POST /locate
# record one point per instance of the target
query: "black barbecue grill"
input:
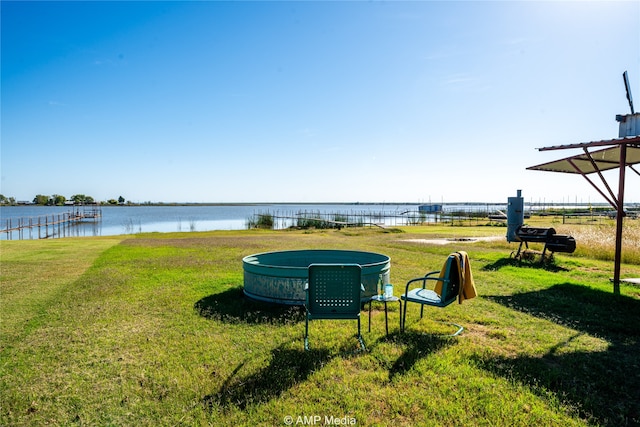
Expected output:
(552, 242)
(561, 243)
(533, 234)
(518, 232)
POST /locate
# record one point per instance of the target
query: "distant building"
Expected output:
(430, 208)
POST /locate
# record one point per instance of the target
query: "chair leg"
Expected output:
(403, 321)
(456, 333)
(306, 333)
(460, 329)
(360, 339)
(403, 318)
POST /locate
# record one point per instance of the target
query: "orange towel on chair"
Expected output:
(468, 288)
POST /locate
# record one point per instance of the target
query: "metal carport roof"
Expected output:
(590, 162)
(617, 153)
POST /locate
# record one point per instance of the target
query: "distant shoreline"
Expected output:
(144, 204)
(132, 204)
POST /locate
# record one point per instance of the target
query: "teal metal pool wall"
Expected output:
(279, 277)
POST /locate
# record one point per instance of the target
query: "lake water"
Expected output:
(117, 220)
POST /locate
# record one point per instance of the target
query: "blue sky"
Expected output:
(310, 101)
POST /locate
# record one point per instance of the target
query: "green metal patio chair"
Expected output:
(333, 291)
(447, 285)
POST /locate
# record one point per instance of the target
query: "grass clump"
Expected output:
(265, 221)
(153, 329)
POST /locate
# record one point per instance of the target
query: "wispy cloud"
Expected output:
(458, 79)
(465, 82)
(99, 62)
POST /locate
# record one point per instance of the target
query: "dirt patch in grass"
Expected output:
(455, 240)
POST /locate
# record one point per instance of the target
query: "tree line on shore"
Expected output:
(58, 200)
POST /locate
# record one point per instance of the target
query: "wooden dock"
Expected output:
(50, 225)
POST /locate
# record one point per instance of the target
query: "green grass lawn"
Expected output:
(153, 329)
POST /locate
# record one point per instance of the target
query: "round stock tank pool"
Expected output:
(279, 277)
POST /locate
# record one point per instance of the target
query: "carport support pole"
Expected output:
(619, 220)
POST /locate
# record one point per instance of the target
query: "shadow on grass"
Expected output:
(604, 387)
(418, 346)
(548, 265)
(287, 368)
(232, 306)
